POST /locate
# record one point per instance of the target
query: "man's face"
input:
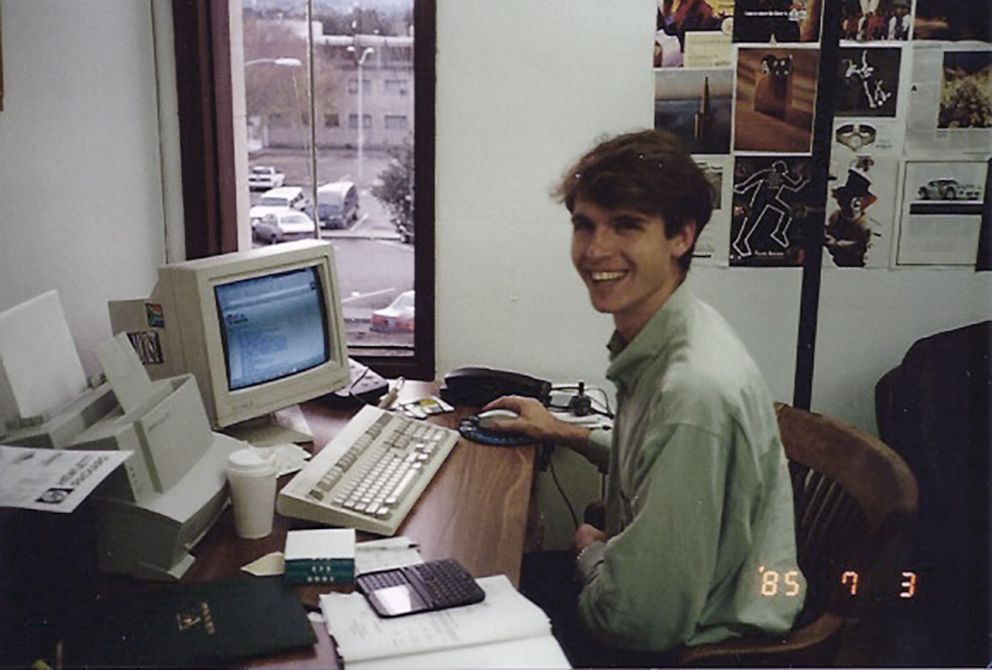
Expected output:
(626, 261)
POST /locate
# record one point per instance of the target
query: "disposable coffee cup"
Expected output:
(251, 475)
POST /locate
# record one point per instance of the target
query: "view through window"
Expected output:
(359, 154)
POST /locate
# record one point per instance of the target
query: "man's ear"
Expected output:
(683, 240)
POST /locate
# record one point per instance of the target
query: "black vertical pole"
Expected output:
(809, 301)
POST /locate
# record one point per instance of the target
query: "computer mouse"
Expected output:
(492, 416)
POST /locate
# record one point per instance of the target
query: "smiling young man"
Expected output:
(699, 500)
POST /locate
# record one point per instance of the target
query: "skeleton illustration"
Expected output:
(766, 188)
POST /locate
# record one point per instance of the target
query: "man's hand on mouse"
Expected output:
(536, 422)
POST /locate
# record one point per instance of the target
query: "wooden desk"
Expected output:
(474, 510)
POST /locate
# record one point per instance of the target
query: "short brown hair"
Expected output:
(649, 171)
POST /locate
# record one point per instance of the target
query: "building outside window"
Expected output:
(369, 41)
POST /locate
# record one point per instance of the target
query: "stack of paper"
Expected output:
(503, 631)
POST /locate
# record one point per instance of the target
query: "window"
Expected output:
(396, 122)
(366, 41)
(353, 121)
(353, 86)
(396, 86)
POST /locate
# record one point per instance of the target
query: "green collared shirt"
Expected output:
(699, 501)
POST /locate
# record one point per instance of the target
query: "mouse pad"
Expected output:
(469, 429)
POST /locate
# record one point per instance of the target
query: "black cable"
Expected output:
(571, 510)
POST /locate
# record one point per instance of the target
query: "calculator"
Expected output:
(426, 587)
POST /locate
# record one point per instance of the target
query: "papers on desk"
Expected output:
(385, 554)
(52, 480)
(503, 631)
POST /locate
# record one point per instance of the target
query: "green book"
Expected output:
(320, 571)
(191, 625)
(320, 556)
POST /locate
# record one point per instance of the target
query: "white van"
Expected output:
(277, 199)
(337, 204)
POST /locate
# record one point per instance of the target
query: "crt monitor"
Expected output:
(260, 329)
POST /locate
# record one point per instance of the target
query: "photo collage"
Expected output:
(910, 134)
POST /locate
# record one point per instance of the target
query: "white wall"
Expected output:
(81, 206)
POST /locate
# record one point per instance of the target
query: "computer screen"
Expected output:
(272, 326)
(260, 330)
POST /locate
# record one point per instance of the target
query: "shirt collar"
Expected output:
(626, 358)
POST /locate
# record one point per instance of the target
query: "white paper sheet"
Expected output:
(504, 616)
(533, 652)
(385, 554)
(39, 365)
(124, 371)
(52, 480)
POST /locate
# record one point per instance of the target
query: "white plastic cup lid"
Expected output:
(251, 462)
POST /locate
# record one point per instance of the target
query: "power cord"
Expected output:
(571, 509)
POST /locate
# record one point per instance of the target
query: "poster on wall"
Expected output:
(696, 105)
(693, 33)
(867, 81)
(862, 197)
(711, 245)
(764, 21)
(950, 100)
(941, 212)
(775, 99)
(772, 196)
(874, 20)
(952, 20)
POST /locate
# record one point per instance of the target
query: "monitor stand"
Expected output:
(281, 427)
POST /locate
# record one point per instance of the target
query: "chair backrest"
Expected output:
(852, 492)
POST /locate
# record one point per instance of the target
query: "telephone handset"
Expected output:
(479, 385)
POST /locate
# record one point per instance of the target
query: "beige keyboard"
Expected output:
(371, 474)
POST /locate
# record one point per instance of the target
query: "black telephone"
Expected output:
(478, 385)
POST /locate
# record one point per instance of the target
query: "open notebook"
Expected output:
(504, 631)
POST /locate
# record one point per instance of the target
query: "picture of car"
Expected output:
(277, 199)
(262, 177)
(397, 317)
(949, 189)
(282, 225)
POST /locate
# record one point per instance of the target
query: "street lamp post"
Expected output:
(360, 61)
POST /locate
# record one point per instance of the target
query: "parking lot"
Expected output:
(374, 266)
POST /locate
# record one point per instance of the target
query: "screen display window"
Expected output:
(272, 326)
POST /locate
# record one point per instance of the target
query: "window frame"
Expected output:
(206, 129)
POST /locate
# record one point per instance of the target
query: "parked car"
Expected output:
(949, 189)
(282, 225)
(277, 199)
(337, 204)
(262, 177)
(398, 317)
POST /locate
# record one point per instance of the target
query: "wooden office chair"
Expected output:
(852, 493)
